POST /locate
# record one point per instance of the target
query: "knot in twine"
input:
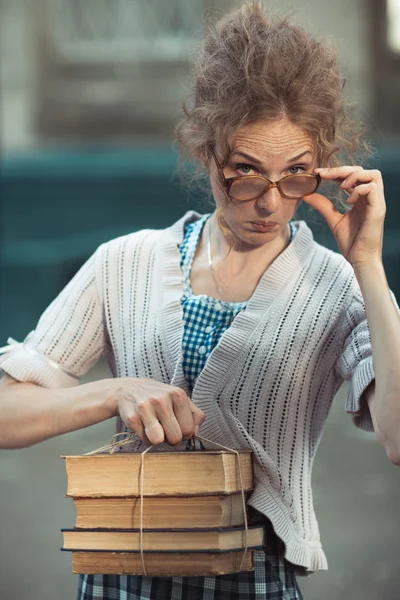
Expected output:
(114, 446)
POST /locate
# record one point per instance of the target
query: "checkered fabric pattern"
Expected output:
(205, 320)
(269, 581)
(272, 579)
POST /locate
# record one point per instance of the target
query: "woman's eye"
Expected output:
(245, 169)
(295, 169)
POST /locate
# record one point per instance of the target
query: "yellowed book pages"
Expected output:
(162, 539)
(165, 473)
(161, 565)
(164, 512)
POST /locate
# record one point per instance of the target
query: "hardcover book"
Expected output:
(160, 512)
(167, 540)
(162, 565)
(166, 473)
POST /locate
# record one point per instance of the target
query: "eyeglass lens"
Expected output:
(295, 187)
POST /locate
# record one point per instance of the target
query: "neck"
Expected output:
(245, 257)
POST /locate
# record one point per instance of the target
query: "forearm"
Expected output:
(384, 326)
(30, 414)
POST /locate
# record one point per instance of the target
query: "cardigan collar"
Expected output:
(282, 271)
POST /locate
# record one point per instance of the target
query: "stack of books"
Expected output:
(185, 516)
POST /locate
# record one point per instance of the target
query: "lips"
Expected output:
(265, 223)
(263, 226)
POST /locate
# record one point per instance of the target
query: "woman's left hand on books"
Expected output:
(359, 232)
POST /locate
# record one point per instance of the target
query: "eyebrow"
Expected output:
(256, 161)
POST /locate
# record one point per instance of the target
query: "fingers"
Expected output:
(361, 190)
(183, 421)
(189, 416)
(183, 413)
(143, 420)
(158, 420)
(133, 422)
(163, 407)
(160, 412)
(375, 202)
(349, 177)
(362, 177)
(337, 173)
(170, 417)
(198, 416)
(358, 182)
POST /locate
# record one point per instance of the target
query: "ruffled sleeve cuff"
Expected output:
(356, 406)
(24, 363)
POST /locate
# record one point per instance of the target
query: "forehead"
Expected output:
(271, 138)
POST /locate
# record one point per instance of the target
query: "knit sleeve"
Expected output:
(68, 339)
(355, 362)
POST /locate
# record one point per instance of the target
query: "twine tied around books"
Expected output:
(114, 446)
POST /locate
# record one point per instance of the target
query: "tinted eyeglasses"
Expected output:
(250, 187)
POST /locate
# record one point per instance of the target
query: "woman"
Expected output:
(236, 322)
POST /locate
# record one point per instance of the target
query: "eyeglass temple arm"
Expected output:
(219, 167)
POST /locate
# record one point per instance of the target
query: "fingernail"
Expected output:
(196, 430)
(322, 171)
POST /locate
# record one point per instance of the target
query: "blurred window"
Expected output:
(385, 67)
(393, 25)
(115, 68)
(98, 29)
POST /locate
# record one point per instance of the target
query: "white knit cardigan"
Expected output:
(269, 383)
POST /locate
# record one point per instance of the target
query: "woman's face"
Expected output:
(273, 150)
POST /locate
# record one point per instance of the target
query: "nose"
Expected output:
(270, 200)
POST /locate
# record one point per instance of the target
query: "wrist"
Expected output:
(111, 401)
(366, 270)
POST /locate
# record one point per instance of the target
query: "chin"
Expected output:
(258, 238)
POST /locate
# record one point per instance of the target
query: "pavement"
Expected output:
(356, 496)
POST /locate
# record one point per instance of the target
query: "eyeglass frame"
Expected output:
(228, 181)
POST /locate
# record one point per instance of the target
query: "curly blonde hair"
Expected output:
(252, 67)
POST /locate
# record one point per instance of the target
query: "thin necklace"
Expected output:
(210, 260)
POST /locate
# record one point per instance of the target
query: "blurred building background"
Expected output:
(89, 94)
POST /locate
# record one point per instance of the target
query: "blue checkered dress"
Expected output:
(205, 320)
